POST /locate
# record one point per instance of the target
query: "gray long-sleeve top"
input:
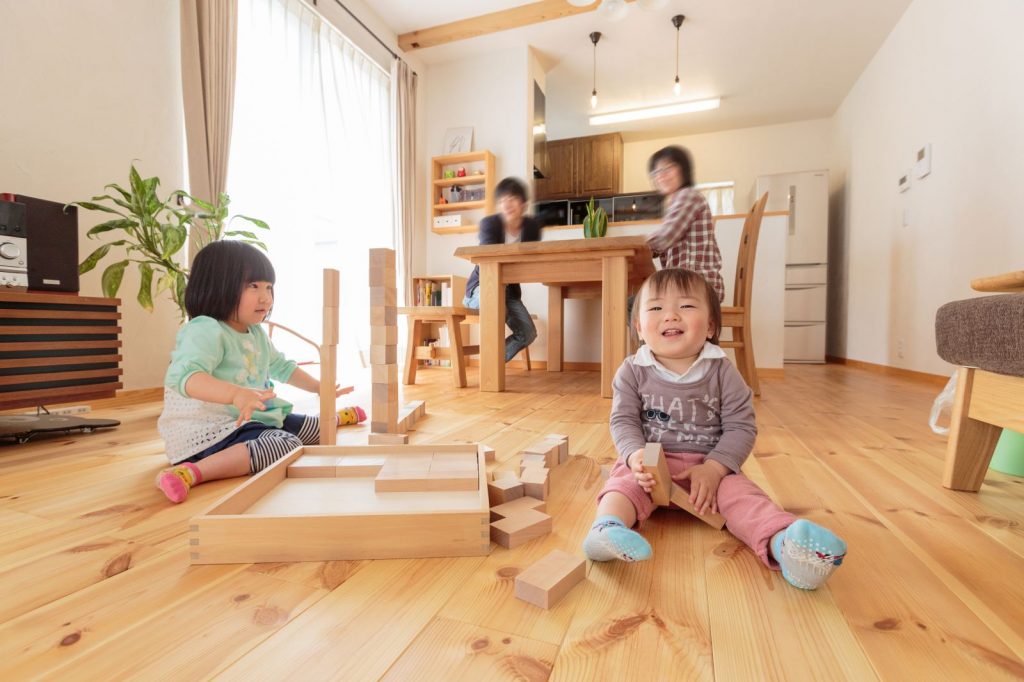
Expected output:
(714, 416)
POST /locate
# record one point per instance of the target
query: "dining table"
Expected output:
(608, 268)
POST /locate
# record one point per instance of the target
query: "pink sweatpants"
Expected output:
(749, 513)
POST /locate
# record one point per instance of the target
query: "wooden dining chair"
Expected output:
(737, 316)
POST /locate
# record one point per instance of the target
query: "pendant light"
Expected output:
(677, 21)
(594, 37)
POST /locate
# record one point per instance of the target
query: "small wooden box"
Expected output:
(276, 517)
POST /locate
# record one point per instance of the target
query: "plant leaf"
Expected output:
(174, 237)
(117, 188)
(145, 296)
(117, 224)
(94, 258)
(165, 282)
(255, 221)
(95, 207)
(112, 277)
(241, 233)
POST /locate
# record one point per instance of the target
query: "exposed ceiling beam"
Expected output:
(515, 17)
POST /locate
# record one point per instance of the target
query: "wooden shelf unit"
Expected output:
(472, 162)
(456, 284)
(58, 348)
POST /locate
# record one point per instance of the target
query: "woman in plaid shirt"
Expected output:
(686, 236)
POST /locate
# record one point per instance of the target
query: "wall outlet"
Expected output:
(899, 349)
(903, 183)
(923, 161)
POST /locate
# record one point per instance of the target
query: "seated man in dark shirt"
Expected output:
(508, 226)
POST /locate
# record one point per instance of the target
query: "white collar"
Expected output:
(645, 358)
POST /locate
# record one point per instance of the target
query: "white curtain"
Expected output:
(311, 155)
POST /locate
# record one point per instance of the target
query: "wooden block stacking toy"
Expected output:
(388, 423)
(546, 449)
(520, 528)
(545, 583)
(284, 513)
(383, 342)
(535, 482)
(504, 490)
(489, 455)
(328, 351)
(563, 445)
(655, 463)
(681, 499)
(517, 505)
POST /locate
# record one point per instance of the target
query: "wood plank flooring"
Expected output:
(95, 581)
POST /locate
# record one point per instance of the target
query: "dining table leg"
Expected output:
(614, 271)
(492, 328)
(556, 334)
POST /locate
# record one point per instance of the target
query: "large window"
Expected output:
(311, 155)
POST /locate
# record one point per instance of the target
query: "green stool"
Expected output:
(1008, 456)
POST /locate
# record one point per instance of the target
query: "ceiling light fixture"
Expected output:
(581, 3)
(655, 112)
(613, 10)
(594, 37)
(677, 21)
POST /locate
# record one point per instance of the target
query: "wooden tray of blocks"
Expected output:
(326, 502)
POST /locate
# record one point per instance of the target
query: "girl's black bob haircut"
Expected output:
(220, 272)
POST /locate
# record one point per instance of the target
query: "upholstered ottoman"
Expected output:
(985, 337)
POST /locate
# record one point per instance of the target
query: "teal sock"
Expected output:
(807, 553)
(610, 539)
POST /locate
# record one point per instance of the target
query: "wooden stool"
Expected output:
(451, 317)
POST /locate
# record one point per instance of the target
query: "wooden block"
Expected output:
(535, 482)
(461, 462)
(681, 499)
(384, 373)
(383, 335)
(331, 288)
(385, 414)
(409, 414)
(383, 355)
(382, 258)
(374, 438)
(382, 276)
(517, 505)
(501, 473)
(488, 451)
(330, 332)
(504, 490)
(358, 466)
(379, 425)
(421, 408)
(563, 445)
(403, 474)
(383, 315)
(313, 466)
(385, 393)
(545, 583)
(547, 449)
(383, 295)
(655, 463)
(532, 459)
(520, 528)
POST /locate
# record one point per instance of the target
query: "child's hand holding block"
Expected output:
(656, 464)
(681, 499)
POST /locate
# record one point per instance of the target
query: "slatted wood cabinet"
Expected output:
(57, 348)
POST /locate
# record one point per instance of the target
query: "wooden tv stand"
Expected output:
(58, 348)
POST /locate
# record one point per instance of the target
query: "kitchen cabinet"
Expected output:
(583, 167)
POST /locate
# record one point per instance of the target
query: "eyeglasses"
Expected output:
(659, 171)
(656, 415)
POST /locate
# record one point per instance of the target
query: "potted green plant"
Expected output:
(155, 230)
(596, 222)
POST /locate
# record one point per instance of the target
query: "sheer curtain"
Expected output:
(311, 155)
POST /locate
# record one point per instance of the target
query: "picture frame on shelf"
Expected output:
(458, 140)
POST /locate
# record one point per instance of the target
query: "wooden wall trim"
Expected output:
(925, 377)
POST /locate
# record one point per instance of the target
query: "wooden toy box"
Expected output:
(320, 503)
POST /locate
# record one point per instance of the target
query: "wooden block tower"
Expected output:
(329, 360)
(384, 341)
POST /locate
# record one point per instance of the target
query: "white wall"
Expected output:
(87, 89)
(951, 75)
(739, 155)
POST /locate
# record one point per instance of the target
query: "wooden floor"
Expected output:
(95, 581)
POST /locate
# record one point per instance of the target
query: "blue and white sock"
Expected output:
(610, 539)
(807, 553)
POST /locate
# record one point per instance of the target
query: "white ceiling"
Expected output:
(771, 61)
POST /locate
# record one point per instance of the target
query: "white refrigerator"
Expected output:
(805, 196)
